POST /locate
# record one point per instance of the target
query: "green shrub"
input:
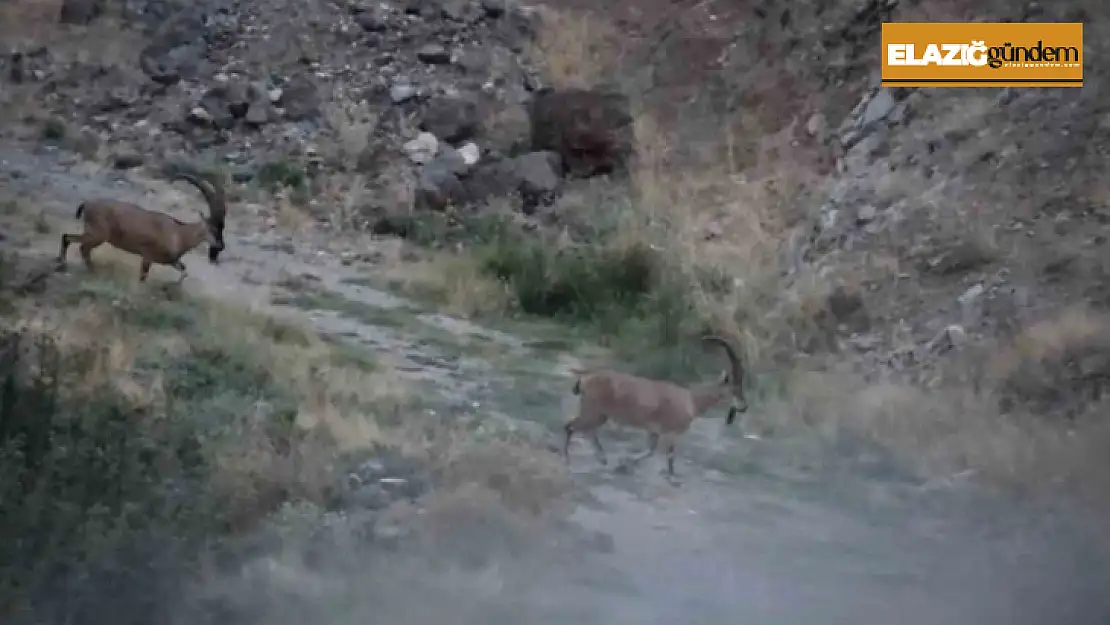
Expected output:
(86, 483)
(614, 290)
(281, 173)
(107, 505)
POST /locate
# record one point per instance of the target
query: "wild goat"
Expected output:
(156, 237)
(664, 409)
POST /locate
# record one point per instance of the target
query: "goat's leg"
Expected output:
(670, 456)
(180, 266)
(598, 450)
(587, 422)
(67, 240)
(144, 269)
(87, 246)
(653, 444)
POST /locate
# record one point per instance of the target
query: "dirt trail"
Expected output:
(739, 541)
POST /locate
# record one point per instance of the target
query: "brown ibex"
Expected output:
(664, 409)
(155, 237)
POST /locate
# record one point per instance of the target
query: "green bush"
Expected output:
(281, 173)
(615, 290)
(92, 491)
(106, 505)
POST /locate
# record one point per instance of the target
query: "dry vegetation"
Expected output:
(247, 415)
(1019, 408)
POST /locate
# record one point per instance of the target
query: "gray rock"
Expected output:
(199, 115)
(476, 61)
(438, 184)
(449, 160)
(372, 21)
(865, 214)
(451, 119)
(301, 98)
(80, 11)
(494, 8)
(127, 160)
(878, 108)
(470, 153)
(402, 92)
(815, 126)
(433, 54)
(491, 179)
(259, 113)
(538, 179)
(421, 149)
(969, 296)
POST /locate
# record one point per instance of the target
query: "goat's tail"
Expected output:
(80, 210)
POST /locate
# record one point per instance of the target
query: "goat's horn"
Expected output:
(737, 367)
(213, 195)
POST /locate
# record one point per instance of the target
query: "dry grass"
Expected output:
(290, 217)
(455, 282)
(351, 124)
(578, 49)
(944, 434)
(718, 220)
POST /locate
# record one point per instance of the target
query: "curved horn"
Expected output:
(734, 360)
(213, 195)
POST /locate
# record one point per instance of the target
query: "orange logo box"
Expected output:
(989, 54)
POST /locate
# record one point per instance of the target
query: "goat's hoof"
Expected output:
(623, 468)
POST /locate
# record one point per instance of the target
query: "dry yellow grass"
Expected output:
(578, 49)
(289, 216)
(454, 281)
(351, 124)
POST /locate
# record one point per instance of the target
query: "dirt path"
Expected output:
(740, 541)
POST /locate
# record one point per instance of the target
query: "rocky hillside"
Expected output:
(948, 238)
(305, 94)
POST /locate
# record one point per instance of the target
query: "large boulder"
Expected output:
(452, 118)
(80, 11)
(591, 130)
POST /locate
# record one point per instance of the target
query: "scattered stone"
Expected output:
(421, 149)
(494, 8)
(198, 115)
(433, 54)
(127, 160)
(969, 296)
(470, 153)
(451, 118)
(400, 93)
(865, 214)
(539, 180)
(950, 337)
(301, 98)
(438, 185)
(713, 230)
(815, 126)
(878, 108)
(80, 11)
(372, 21)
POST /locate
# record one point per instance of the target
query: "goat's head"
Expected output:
(213, 192)
(732, 379)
